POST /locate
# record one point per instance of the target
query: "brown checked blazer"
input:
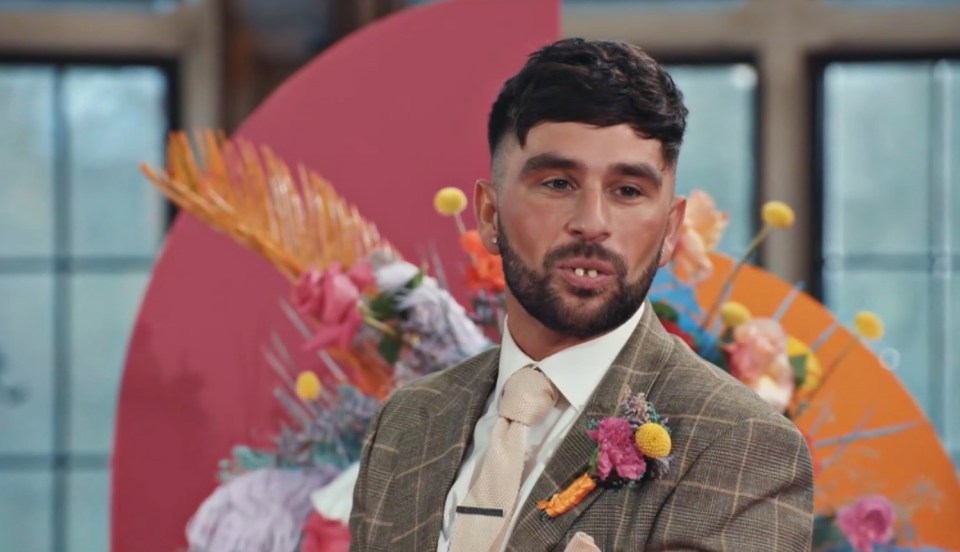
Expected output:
(741, 477)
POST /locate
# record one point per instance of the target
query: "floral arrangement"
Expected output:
(630, 447)
(375, 322)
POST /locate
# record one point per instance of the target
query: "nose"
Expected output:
(590, 219)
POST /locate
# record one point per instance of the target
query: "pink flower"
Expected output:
(758, 358)
(330, 298)
(324, 535)
(756, 345)
(867, 522)
(702, 229)
(617, 449)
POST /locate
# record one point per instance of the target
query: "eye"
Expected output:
(630, 192)
(558, 184)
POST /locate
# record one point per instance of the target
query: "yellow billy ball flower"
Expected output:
(868, 325)
(653, 440)
(778, 214)
(450, 201)
(308, 386)
(814, 372)
(734, 313)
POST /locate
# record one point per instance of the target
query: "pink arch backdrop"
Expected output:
(387, 115)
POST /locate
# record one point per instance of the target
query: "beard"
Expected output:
(534, 290)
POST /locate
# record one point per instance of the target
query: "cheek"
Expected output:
(642, 240)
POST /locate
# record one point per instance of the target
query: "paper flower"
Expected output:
(619, 458)
(617, 449)
(867, 522)
(308, 386)
(813, 371)
(868, 325)
(331, 299)
(758, 358)
(450, 201)
(777, 214)
(259, 510)
(733, 314)
(325, 535)
(702, 229)
(485, 270)
(653, 440)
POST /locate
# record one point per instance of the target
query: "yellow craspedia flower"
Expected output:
(450, 201)
(814, 372)
(653, 440)
(778, 214)
(734, 313)
(868, 325)
(308, 386)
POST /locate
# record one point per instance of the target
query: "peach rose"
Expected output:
(703, 226)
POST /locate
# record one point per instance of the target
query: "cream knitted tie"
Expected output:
(485, 513)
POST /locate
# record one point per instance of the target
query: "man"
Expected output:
(582, 208)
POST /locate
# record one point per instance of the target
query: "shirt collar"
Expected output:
(575, 371)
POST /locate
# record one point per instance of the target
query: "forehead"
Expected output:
(597, 148)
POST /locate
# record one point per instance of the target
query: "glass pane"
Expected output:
(624, 4)
(952, 120)
(877, 153)
(26, 160)
(718, 151)
(893, 3)
(104, 308)
(952, 387)
(902, 300)
(26, 348)
(88, 511)
(26, 511)
(116, 119)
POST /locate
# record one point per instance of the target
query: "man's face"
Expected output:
(583, 216)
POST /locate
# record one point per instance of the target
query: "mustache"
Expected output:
(586, 250)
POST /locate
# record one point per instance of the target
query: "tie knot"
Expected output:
(528, 397)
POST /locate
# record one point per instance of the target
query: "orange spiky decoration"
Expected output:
(250, 196)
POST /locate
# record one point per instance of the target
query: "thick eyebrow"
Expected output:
(639, 170)
(549, 161)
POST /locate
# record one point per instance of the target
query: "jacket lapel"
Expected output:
(442, 444)
(636, 369)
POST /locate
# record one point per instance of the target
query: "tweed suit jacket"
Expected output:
(741, 477)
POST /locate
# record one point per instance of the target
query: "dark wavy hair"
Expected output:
(599, 83)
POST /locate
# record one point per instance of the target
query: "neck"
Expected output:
(534, 339)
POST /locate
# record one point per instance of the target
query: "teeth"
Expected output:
(591, 273)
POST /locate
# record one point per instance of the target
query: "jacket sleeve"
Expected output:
(751, 489)
(359, 522)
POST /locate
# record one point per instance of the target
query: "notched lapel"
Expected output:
(434, 449)
(636, 369)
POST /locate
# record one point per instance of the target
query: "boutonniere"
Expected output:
(630, 448)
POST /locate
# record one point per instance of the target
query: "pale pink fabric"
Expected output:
(581, 542)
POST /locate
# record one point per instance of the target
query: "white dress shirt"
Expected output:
(575, 372)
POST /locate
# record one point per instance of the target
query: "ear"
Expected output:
(678, 210)
(485, 210)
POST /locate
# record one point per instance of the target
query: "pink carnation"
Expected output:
(867, 522)
(618, 450)
(330, 299)
(757, 344)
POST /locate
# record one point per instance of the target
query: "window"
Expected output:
(718, 155)
(891, 200)
(79, 229)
